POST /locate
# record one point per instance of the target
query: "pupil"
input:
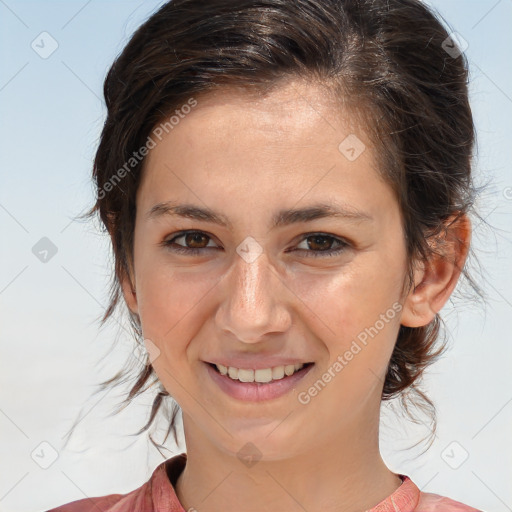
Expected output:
(316, 241)
(196, 238)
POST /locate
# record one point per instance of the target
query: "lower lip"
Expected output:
(257, 391)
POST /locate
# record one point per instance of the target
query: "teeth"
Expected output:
(222, 369)
(289, 369)
(245, 375)
(261, 375)
(278, 372)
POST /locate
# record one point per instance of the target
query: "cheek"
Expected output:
(170, 300)
(171, 309)
(353, 298)
(356, 317)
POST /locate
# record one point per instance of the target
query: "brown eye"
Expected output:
(319, 244)
(195, 242)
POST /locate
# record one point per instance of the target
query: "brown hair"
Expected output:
(386, 58)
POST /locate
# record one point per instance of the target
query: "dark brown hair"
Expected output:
(387, 59)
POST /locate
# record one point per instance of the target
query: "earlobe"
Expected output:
(414, 313)
(436, 279)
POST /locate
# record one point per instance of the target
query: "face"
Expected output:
(253, 269)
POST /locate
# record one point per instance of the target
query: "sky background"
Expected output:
(52, 351)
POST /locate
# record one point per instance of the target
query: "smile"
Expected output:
(257, 385)
(260, 375)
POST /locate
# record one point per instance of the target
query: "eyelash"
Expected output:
(315, 254)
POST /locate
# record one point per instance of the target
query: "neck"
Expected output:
(343, 474)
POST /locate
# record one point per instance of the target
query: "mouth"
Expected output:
(260, 384)
(261, 376)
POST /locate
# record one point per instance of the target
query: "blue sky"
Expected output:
(52, 352)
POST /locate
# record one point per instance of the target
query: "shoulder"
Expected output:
(409, 498)
(429, 502)
(138, 499)
(156, 494)
(103, 503)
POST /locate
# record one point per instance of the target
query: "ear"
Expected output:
(435, 280)
(129, 293)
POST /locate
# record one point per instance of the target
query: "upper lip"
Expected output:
(255, 363)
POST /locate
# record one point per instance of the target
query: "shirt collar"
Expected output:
(164, 478)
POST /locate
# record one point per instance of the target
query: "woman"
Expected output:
(286, 185)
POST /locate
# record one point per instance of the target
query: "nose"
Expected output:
(254, 301)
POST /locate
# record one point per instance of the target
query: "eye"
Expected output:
(317, 244)
(195, 238)
(321, 244)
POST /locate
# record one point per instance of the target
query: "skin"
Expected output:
(247, 158)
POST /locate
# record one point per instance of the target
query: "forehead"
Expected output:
(291, 109)
(287, 141)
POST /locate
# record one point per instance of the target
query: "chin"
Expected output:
(261, 440)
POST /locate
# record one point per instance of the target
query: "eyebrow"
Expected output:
(281, 218)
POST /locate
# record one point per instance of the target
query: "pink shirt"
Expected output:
(158, 495)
